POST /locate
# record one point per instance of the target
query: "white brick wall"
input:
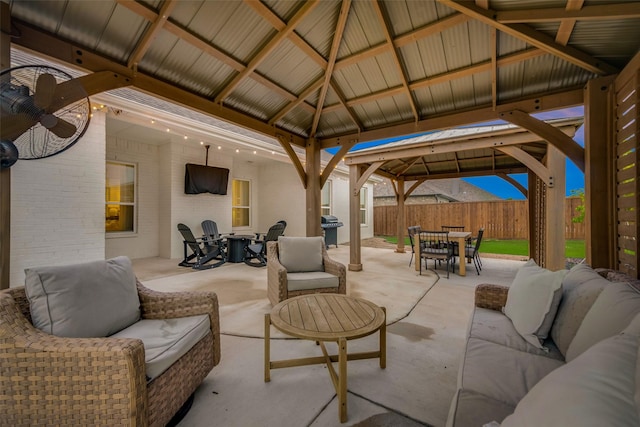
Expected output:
(281, 196)
(57, 205)
(145, 242)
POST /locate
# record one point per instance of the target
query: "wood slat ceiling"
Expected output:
(342, 71)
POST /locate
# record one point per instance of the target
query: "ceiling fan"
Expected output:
(43, 111)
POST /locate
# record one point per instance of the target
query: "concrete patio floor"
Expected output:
(423, 353)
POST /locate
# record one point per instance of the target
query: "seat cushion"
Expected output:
(580, 288)
(599, 388)
(311, 280)
(495, 327)
(301, 254)
(91, 299)
(166, 340)
(472, 409)
(532, 301)
(502, 373)
(613, 310)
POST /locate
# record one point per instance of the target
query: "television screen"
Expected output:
(205, 179)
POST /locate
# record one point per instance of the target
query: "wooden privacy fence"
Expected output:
(503, 219)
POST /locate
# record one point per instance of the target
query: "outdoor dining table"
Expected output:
(455, 236)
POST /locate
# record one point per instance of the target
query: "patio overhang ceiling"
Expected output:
(342, 72)
(487, 150)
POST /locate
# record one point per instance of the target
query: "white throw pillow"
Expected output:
(598, 388)
(532, 301)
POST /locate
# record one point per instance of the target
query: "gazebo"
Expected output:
(322, 74)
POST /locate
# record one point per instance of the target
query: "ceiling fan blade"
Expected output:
(66, 93)
(60, 127)
(14, 125)
(45, 89)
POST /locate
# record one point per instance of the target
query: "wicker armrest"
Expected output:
(337, 269)
(493, 297)
(277, 274)
(41, 370)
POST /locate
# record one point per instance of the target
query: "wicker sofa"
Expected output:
(582, 371)
(54, 380)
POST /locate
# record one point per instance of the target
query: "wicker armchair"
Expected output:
(278, 288)
(47, 380)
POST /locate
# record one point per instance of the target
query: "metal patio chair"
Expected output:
(435, 245)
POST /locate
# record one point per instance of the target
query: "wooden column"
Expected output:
(599, 176)
(314, 190)
(5, 174)
(554, 212)
(400, 219)
(355, 258)
(536, 202)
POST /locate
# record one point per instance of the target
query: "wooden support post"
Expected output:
(314, 190)
(536, 203)
(400, 219)
(554, 212)
(355, 260)
(5, 174)
(599, 194)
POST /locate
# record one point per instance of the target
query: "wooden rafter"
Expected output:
(386, 29)
(334, 162)
(267, 49)
(151, 33)
(343, 102)
(566, 26)
(588, 13)
(304, 95)
(413, 187)
(530, 162)
(333, 54)
(286, 144)
(513, 182)
(533, 37)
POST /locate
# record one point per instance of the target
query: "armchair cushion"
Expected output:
(92, 299)
(311, 280)
(301, 254)
(166, 340)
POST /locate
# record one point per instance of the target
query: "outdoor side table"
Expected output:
(327, 317)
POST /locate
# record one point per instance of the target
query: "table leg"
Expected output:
(342, 379)
(462, 265)
(267, 348)
(383, 341)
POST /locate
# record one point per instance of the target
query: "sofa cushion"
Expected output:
(599, 388)
(502, 373)
(91, 299)
(532, 301)
(613, 310)
(472, 409)
(495, 327)
(301, 254)
(580, 288)
(166, 340)
(311, 280)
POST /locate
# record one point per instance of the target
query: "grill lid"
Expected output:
(328, 219)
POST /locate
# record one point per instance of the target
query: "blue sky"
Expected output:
(500, 187)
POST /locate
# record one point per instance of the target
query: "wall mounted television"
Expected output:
(205, 179)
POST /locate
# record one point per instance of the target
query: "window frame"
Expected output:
(233, 206)
(364, 194)
(329, 186)
(134, 232)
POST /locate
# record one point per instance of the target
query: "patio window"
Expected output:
(326, 198)
(363, 206)
(120, 198)
(241, 209)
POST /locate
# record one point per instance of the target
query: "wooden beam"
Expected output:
(267, 49)
(343, 102)
(533, 37)
(480, 114)
(452, 145)
(549, 133)
(566, 26)
(333, 54)
(314, 190)
(367, 174)
(5, 174)
(554, 212)
(355, 257)
(304, 95)
(334, 162)
(513, 182)
(599, 12)
(386, 29)
(413, 188)
(151, 33)
(400, 226)
(286, 144)
(530, 162)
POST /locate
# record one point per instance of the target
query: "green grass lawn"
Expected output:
(573, 248)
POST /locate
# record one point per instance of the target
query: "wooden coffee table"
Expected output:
(327, 317)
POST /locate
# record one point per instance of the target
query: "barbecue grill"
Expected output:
(330, 224)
